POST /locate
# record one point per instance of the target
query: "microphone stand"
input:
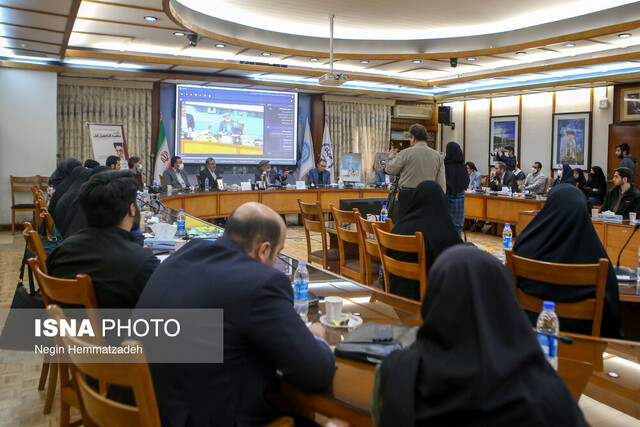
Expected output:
(622, 270)
(392, 199)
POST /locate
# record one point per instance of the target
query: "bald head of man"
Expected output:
(259, 230)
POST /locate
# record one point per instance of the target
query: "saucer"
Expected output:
(353, 321)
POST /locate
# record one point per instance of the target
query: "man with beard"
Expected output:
(106, 250)
(628, 161)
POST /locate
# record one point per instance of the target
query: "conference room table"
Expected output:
(605, 370)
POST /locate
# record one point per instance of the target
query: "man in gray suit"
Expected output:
(175, 176)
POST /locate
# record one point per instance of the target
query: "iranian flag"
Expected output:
(163, 158)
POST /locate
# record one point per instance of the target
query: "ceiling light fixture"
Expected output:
(471, 59)
(416, 61)
(313, 59)
(220, 45)
(150, 18)
(521, 53)
(569, 44)
(624, 35)
(179, 34)
(364, 61)
(266, 54)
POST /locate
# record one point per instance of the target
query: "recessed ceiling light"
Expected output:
(521, 53)
(313, 59)
(220, 45)
(624, 35)
(150, 18)
(416, 61)
(569, 44)
(364, 61)
(266, 54)
(471, 59)
(178, 33)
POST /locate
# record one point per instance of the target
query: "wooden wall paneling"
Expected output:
(317, 123)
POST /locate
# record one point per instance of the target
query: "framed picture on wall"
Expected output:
(630, 104)
(503, 131)
(571, 139)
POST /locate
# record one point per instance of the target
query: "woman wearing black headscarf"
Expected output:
(476, 360)
(578, 175)
(63, 187)
(596, 187)
(565, 176)
(63, 171)
(457, 179)
(68, 203)
(428, 212)
(562, 232)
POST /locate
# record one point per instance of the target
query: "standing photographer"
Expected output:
(506, 156)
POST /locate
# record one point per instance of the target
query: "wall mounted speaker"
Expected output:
(444, 115)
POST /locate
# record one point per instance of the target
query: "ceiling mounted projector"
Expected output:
(333, 79)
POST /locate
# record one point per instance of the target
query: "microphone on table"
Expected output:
(625, 271)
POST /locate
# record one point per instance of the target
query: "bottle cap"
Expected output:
(181, 210)
(507, 225)
(549, 305)
(302, 264)
(384, 206)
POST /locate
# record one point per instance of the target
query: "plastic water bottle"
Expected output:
(301, 290)
(155, 184)
(182, 231)
(340, 183)
(548, 327)
(384, 213)
(524, 190)
(507, 236)
(206, 184)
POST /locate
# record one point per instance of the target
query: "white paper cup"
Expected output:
(333, 306)
(179, 243)
(169, 188)
(594, 213)
(632, 216)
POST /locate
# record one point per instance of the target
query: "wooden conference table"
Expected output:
(588, 365)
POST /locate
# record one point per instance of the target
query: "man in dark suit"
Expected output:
(209, 172)
(175, 176)
(501, 177)
(269, 176)
(228, 126)
(262, 331)
(187, 123)
(105, 250)
(320, 175)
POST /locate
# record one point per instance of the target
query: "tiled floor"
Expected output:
(21, 403)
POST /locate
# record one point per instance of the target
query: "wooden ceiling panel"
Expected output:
(33, 19)
(58, 6)
(114, 12)
(186, 68)
(30, 33)
(37, 47)
(151, 4)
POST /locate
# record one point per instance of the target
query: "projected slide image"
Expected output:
(221, 128)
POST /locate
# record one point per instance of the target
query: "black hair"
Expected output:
(501, 165)
(245, 230)
(206, 162)
(112, 160)
(539, 164)
(419, 132)
(509, 147)
(90, 164)
(132, 161)
(174, 159)
(321, 160)
(624, 147)
(106, 197)
(625, 173)
(472, 166)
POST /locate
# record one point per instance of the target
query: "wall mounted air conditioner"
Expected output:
(423, 112)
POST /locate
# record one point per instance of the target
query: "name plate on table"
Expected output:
(301, 185)
(245, 186)
(220, 184)
(611, 218)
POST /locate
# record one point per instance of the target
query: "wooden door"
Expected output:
(617, 135)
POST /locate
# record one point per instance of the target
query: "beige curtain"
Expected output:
(82, 104)
(359, 128)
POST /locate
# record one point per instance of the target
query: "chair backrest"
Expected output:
(348, 235)
(131, 371)
(485, 180)
(78, 291)
(43, 182)
(401, 243)
(368, 242)
(34, 243)
(48, 223)
(313, 221)
(22, 184)
(567, 275)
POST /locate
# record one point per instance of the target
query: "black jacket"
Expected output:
(510, 162)
(508, 180)
(262, 334)
(118, 266)
(274, 178)
(206, 173)
(630, 201)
